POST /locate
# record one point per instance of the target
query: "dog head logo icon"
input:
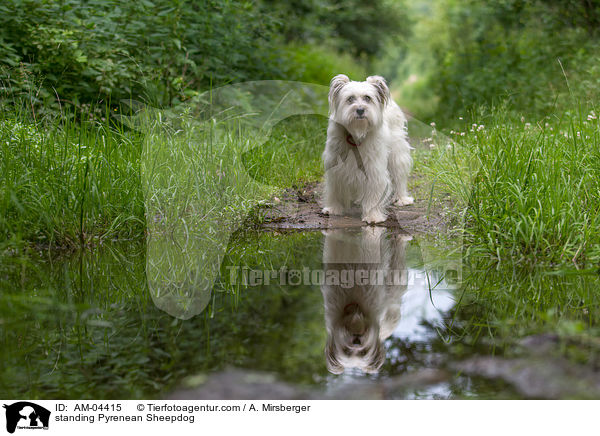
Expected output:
(24, 414)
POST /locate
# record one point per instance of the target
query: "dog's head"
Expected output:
(358, 106)
(354, 342)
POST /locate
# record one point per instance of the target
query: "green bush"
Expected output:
(165, 51)
(97, 50)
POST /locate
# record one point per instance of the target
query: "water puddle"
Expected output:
(358, 313)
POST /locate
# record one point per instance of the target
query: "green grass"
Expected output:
(502, 305)
(63, 183)
(176, 180)
(531, 189)
(527, 198)
(292, 154)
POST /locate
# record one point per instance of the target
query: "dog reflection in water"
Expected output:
(366, 275)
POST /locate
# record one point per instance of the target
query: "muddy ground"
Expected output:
(299, 208)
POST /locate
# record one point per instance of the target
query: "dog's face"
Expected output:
(358, 106)
(354, 342)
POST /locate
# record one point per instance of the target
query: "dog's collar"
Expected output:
(350, 141)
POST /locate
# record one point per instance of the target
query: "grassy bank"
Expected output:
(531, 235)
(531, 187)
(65, 183)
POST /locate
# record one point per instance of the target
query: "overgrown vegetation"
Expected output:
(531, 190)
(67, 184)
(70, 169)
(535, 56)
(163, 51)
(515, 84)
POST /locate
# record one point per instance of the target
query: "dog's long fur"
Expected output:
(359, 318)
(375, 170)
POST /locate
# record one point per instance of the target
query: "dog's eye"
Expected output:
(367, 98)
(351, 99)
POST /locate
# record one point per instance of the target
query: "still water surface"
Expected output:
(345, 305)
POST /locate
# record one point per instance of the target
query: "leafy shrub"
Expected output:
(166, 50)
(93, 50)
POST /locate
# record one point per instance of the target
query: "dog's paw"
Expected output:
(404, 201)
(331, 210)
(374, 217)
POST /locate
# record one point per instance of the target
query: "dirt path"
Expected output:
(300, 209)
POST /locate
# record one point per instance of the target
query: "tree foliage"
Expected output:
(479, 52)
(91, 50)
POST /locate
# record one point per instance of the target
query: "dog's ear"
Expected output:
(333, 364)
(383, 92)
(337, 83)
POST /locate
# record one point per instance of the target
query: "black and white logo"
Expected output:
(26, 415)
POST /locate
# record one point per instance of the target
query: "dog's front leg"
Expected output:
(334, 196)
(375, 197)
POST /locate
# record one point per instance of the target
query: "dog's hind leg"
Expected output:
(399, 166)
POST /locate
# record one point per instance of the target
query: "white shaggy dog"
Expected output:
(367, 156)
(360, 315)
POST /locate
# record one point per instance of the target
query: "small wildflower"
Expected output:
(432, 124)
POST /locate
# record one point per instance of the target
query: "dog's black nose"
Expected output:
(356, 340)
(360, 111)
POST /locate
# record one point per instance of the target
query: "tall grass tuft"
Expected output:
(67, 182)
(533, 195)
